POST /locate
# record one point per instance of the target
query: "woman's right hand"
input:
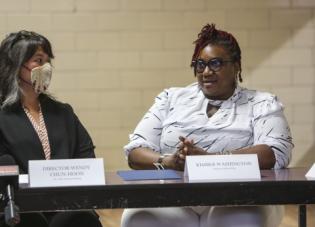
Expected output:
(173, 162)
(143, 158)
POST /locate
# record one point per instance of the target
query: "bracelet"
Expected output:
(225, 152)
(159, 163)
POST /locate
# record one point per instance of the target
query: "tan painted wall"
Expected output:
(114, 56)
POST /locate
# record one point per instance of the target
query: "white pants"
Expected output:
(234, 216)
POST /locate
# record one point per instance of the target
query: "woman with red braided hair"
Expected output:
(212, 116)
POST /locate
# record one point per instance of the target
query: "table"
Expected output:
(286, 186)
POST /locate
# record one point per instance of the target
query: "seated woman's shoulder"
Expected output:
(262, 103)
(56, 104)
(255, 96)
(182, 91)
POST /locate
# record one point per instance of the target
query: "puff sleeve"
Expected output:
(148, 131)
(271, 128)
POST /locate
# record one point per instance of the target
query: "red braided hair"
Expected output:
(210, 35)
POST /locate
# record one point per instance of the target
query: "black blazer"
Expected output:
(67, 136)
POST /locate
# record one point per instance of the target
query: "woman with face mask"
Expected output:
(33, 125)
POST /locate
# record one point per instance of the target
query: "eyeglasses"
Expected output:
(214, 64)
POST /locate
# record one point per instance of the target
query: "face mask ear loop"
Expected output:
(26, 68)
(24, 81)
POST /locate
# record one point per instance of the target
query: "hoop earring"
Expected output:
(236, 80)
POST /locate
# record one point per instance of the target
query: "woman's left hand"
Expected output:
(187, 147)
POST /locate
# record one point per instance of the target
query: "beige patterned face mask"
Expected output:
(40, 77)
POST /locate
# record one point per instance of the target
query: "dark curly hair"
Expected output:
(210, 35)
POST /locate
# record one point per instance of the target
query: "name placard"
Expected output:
(66, 172)
(311, 172)
(222, 167)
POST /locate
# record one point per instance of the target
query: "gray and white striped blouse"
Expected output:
(247, 118)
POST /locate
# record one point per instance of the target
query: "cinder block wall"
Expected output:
(114, 56)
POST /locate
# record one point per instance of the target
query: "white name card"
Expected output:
(311, 173)
(66, 172)
(222, 167)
